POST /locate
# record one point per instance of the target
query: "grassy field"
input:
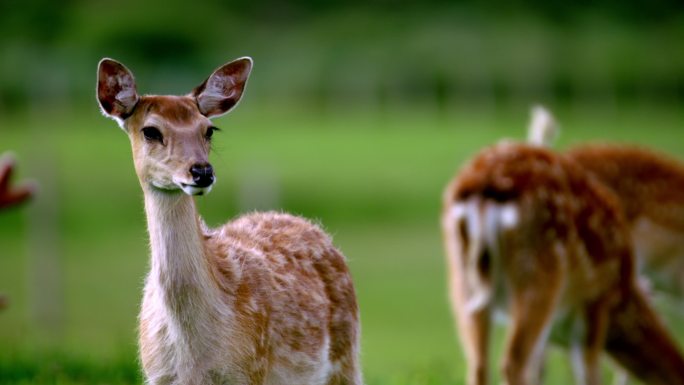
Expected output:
(72, 262)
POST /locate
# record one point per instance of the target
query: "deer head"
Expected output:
(171, 135)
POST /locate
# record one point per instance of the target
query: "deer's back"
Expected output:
(649, 184)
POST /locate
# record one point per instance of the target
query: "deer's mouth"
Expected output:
(193, 189)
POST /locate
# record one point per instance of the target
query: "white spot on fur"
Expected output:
(477, 301)
(509, 216)
(458, 211)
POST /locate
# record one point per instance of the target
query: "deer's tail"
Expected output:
(543, 128)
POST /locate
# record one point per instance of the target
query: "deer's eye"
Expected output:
(210, 132)
(152, 134)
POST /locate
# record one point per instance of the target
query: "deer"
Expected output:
(529, 233)
(647, 184)
(265, 299)
(11, 196)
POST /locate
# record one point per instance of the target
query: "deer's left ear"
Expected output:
(223, 89)
(116, 91)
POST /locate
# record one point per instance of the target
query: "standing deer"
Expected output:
(649, 188)
(264, 299)
(529, 232)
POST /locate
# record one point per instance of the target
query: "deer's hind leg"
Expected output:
(588, 340)
(534, 298)
(474, 334)
(344, 342)
(348, 373)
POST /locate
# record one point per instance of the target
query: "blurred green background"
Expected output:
(356, 115)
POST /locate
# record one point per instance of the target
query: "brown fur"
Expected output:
(295, 251)
(650, 188)
(265, 299)
(647, 183)
(568, 252)
(177, 110)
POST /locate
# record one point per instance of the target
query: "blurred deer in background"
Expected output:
(264, 299)
(650, 189)
(11, 196)
(529, 232)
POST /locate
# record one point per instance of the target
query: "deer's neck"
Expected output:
(180, 269)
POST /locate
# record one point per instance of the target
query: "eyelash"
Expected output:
(210, 132)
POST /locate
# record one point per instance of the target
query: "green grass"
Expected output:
(373, 180)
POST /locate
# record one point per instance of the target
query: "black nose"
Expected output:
(202, 174)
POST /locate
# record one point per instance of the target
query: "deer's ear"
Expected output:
(223, 89)
(116, 91)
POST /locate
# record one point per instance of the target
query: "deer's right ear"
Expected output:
(116, 91)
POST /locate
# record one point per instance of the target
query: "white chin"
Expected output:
(195, 190)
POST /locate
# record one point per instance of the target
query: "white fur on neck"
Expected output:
(178, 264)
(182, 298)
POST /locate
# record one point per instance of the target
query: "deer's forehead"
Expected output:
(177, 111)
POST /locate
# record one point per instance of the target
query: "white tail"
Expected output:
(543, 129)
(264, 299)
(528, 232)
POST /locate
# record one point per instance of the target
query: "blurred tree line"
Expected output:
(334, 53)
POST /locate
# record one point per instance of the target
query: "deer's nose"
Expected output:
(202, 174)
